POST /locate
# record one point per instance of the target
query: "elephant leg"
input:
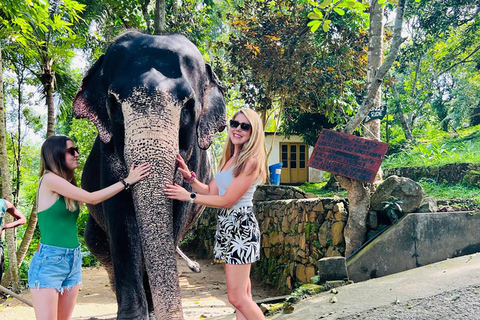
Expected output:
(125, 246)
(98, 244)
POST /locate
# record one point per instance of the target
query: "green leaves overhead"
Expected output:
(21, 20)
(280, 65)
(322, 11)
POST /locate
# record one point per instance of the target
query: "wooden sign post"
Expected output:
(348, 155)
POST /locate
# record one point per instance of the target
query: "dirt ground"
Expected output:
(204, 295)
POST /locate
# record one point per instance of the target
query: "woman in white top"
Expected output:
(237, 239)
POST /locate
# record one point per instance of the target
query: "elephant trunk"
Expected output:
(152, 137)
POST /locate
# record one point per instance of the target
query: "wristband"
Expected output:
(193, 196)
(125, 184)
(192, 178)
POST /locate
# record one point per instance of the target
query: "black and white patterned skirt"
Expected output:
(237, 239)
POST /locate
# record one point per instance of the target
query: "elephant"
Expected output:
(150, 97)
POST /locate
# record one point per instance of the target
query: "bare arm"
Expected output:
(237, 189)
(63, 187)
(204, 189)
(197, 186)
(19, 217)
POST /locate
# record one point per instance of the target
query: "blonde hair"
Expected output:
(253, 149)
(53, 160)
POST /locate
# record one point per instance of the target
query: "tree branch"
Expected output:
(460, 62)
(380, 74)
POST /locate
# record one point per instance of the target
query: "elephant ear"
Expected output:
(91, 101)
(213, 114)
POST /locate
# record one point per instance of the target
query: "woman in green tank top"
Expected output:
(54, 277)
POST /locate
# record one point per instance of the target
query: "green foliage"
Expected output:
(319, 190)
(472, 179)
(269, 40)
(436, 78)
(449, 191)
(437, 148)
(319, 16)
(393, 209)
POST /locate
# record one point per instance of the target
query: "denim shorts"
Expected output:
(55, 267)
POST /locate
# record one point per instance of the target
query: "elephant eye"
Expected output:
(188, 113)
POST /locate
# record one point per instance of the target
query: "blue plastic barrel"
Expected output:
(275, 172)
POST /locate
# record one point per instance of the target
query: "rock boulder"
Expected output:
(405, 189)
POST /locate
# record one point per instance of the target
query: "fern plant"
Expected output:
(393, 209)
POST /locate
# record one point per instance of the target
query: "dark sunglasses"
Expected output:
(244, 126)
(72, 151)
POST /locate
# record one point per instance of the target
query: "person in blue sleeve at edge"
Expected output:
(7, 207)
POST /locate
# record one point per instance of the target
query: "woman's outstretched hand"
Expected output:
(174, 191)
(182, 167)
(138, 173)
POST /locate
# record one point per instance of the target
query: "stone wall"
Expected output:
(451, 173)
(267, 193)
(296, 233)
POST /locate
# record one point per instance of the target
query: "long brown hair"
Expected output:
(254, 148)
(53, 160)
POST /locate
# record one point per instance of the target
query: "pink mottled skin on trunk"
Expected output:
(152, 137)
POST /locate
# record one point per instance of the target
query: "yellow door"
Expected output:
(294, 159)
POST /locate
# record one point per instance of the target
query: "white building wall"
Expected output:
(314, 175)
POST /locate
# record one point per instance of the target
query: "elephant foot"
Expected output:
(138, 314)
(193, 265)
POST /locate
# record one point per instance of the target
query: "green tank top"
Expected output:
(58, 225)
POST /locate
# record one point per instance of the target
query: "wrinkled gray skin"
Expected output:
(150, 98)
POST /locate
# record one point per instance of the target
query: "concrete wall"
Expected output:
(417, 240)
(297, 231)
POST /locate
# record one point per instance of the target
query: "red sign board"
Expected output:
(348, 155)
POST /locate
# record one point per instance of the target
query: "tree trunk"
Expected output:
(367, 103)
(6, 191)
(375, 56)
(475, 116)
(144, 5)
(399, 114)
(159, 24)
(358, 192)
(18, 148)
(406, 128)
(48, 77)
(358, 205)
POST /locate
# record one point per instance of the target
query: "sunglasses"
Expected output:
(244, 126)
(72, 151)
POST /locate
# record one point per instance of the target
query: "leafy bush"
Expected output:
(436, 148)
(393, 209)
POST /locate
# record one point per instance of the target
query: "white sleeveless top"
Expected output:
(224, 180)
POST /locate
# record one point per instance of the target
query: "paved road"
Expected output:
(445, 290)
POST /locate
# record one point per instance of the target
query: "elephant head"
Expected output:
(151, 97)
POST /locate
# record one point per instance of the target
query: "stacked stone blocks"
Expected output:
(296, 234)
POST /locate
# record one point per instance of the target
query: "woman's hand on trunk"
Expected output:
(176, 192)
(182, 167)
(137, 173)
